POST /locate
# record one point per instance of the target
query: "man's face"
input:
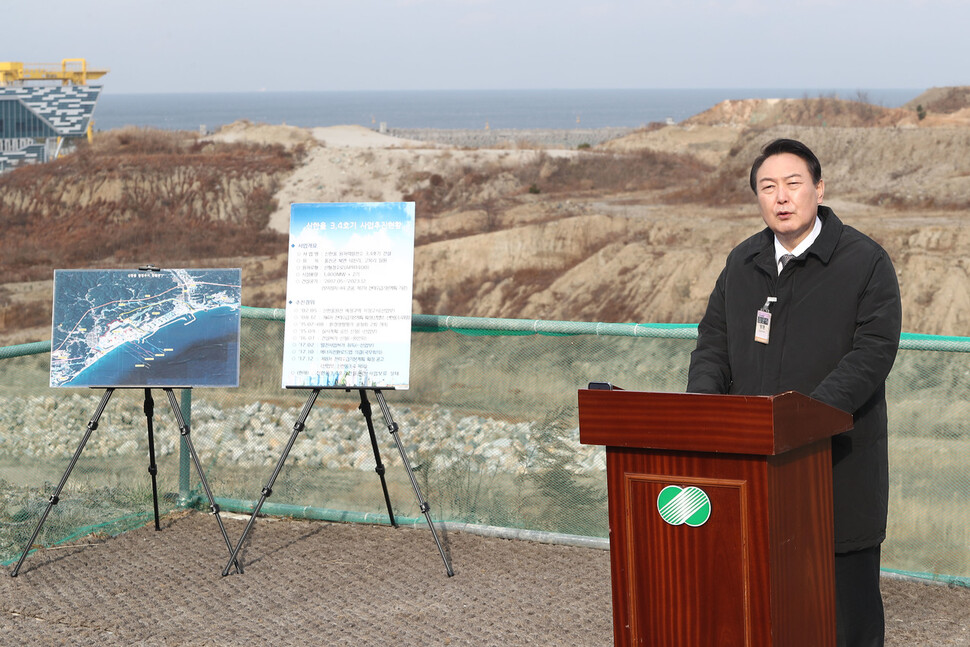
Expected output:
(788, 198)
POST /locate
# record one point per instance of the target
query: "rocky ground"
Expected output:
(251, 435)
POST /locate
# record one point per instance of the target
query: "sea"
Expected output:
(207, 354)
(446, 109)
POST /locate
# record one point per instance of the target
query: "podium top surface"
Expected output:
(736, 424)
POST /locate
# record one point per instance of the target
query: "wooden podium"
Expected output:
(744, 552)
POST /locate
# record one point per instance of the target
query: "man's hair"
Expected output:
(792, 146)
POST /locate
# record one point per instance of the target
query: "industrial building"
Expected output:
(43, 107)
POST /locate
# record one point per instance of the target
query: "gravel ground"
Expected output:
(320, 583)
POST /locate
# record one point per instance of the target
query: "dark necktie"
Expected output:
(785, 258)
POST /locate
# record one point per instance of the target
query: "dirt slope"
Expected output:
(635, 229)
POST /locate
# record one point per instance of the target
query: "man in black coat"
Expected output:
(812, 305)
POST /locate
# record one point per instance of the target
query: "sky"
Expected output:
(307, 45)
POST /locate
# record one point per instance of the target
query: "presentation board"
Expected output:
(348, 295)
(137, 328)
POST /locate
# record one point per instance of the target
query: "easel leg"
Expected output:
(365, 409)
(184, 430)
(298, 426)
(54, 498)
(425, 508)
(152, 467)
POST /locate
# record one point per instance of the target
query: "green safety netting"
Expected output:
(489, 425)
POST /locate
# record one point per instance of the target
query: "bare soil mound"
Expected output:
(140, 196)
(946, 100)
(633, 229)
(820, 111)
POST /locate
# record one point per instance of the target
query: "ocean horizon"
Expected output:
(446, 109)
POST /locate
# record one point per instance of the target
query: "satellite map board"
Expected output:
(134, 328)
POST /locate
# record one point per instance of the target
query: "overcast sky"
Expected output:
(277, 45)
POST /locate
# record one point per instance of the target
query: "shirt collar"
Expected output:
(802, 246)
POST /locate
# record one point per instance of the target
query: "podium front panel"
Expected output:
(673, 605)
(720, 516)
(747, 563)
(678, 584)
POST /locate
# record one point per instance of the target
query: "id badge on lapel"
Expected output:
(762, 327)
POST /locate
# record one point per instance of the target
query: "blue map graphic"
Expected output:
(130, 328)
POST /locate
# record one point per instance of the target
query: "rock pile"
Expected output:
(50, 427)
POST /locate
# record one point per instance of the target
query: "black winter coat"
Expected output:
(834, 336)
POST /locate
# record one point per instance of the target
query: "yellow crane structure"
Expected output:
(71, 71)
(41, 106)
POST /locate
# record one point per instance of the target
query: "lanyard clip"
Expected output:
(768, 303)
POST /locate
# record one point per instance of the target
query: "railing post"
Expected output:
(185, 488)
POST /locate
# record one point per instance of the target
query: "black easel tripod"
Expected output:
(152, 468)
(392, 427)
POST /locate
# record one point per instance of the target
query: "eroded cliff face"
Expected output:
(658, 263)
(132, 198)
(633, 230)
(652, 255)
(139, 196)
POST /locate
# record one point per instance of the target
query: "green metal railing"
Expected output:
(927, 391)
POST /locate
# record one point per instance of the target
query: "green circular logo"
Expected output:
(679, 506)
